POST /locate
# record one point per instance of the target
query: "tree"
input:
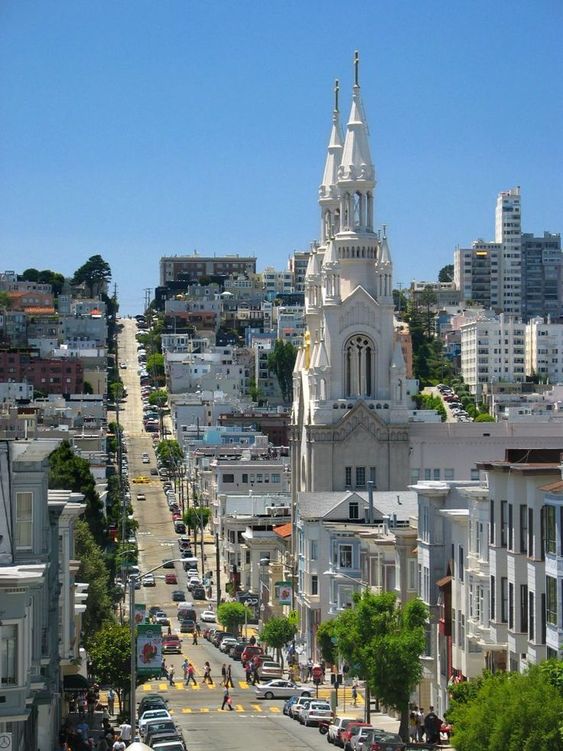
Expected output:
(232, 615)
(110, 652)
(155, 366)
(95, 274)
(281, 361)
(383, 641)
(277, 632)
(93, 571)
(70, 472)
(170, 453)
(446, 273)
(399, 300)
(326, 641)
(484, 417)
(509, 710)
(4, 300)
(158, 398)
(196, 519)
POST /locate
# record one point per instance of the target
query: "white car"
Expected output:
(281, 689)
(149, 580)
(152, 714)
(208, 616)
(317, 711)
(227, 643)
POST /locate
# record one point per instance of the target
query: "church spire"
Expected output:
(356, 164)
(334, 155)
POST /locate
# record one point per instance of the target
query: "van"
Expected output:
(190, 563)
(186, 611)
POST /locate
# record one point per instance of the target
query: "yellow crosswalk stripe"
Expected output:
(256, 707)
(239, 708)
(163, 687)
(186, 710)
(204, 709)
(178, 684)
(243, 684)
(275, 709)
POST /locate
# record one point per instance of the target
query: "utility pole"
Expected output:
(147, 292)
(217, 569)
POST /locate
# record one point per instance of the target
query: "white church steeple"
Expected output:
(328, 196)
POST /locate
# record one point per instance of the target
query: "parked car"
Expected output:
(179, 527)
(351, 729)
(157, 700)
(162, 620)
(220, 635)
(269, 670)
(335, 729)
(251, 651)
(168, 745)
(152, 714)
(227, 643)
(160, 731)
(187, 626)
(357, 738)
(168, 564)
(178, 596)
(317, 711)
(236, 651)
(299, 706)
(141, 497)
(381, 740)
(281, 689)
(208, 616)
(198, 593)
(172, 644)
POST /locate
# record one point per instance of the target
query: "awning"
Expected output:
(443, 581)
(75, 682)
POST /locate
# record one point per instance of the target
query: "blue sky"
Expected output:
(136, 129)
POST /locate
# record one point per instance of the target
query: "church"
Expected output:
(352, 397)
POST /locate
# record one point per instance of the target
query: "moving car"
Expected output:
(269, 670)
(198, 593)
(152, 714)
(149, 580)
(171, 579)
(187, 626)
(381, 740)
(208, 616)
(172, 644)
(141, 497)
(178, 595)
(162, 620)
(280, 689)
(152, 701)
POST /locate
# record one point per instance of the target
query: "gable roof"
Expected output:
(402, 503)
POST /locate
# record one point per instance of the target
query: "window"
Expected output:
(511, 606)
(427, 474)
(411, 575)
(426, 584)
(8, 654)
(453, 626)
(531, 617)
(551, 599)
(360, 477)
(461, 557)
(348, 477)
(24, 521)
(510, 527)
(436, 473)
(314, 550)
(245, 477)
(449, 474)
(228, 478)
(372, 475)
(314, 584)
(523, 528)
(503, 523)
(276, 478)
(460, 628)
(493, 602)
(345, 556)
(530, 533)
(524, 608)
(550, 535)
(353, 510)
(504, 599)
(474, 474)
(259, 477)
(478, 538)
(492, 522)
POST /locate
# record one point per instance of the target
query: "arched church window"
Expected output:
(357, 209)
(369, 202)
(359, 366)
(336, 221)
(328, 223)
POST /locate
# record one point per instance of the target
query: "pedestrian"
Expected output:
(185, 669)
(420, 721)
(229, 681)
(323, 670)
(103, 744)
(191, 673)
(163, 670)
(207, 674)
(255, 676)
(224, 674)
(432, 725)
(248, 671)
(309, 670)
(198, 629)
(169, 631)
(227, 700)
(171, 676)
(355, 695)
(413, 727)
(111, 701)
(125, 731)
(194, 640)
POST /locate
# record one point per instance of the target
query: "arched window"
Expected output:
(357, 209)
(359, 366)
(328, 225)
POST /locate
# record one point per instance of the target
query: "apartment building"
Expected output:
(476, 273)
(508, 233)
(542, 276)
(492, 350)
(194, 267)
(544, 350)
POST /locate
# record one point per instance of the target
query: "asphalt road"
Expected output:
(196, 709)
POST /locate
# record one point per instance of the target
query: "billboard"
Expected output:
(149, 649)
(283, 591)
(140, 613)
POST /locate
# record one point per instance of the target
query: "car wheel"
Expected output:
(268, 695)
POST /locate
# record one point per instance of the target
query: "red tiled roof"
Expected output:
(284, 530)
(554, 487)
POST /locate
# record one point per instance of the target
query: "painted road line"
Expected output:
(239, 708)
(275, 710)
(243, 684)
(204, 709)
(186, 710)
(256, 707)
(179, 684)
(163, 687)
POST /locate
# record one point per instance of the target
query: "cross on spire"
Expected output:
(336, 93)
(356, 68)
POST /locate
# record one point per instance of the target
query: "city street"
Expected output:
(196, 709)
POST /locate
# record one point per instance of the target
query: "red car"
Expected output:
(176, 516)
(350, 730)
(172, 644)
(171, 579)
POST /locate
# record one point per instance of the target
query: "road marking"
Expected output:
(276, 710)
(178, 684)
(186, 710)
(239, 708)
(256, 707)
(243, 684)
(204, 709)
(163, 687)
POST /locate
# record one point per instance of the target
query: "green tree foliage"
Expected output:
(399, 301)
(277, 632)
(95, 274)
(430, 365)
(281, 361)
(4, 301)
(155, 367)
(170, 453)
(431, 401)
(446, 273)
(196, 518)
(70, 472)
(382, 642)
(512, 711)
(93, 571)
(110, 652)
(232, 615)
(46, 276)
(158, 398)
(484, 417)
(326, 638)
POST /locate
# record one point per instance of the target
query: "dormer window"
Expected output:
(353, 510)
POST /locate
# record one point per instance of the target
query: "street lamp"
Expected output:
(264, 562)
(133, 688)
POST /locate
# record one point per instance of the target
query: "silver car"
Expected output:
(280, 689)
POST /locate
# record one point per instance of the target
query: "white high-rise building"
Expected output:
(508, 232)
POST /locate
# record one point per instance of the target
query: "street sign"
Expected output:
(6, 741)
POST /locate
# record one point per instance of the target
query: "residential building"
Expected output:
(276, 281)
(508, 233)
(297, 264)
(194, 267)
(544, 350)
(477, 273)
(50, 376)
(542, 277)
